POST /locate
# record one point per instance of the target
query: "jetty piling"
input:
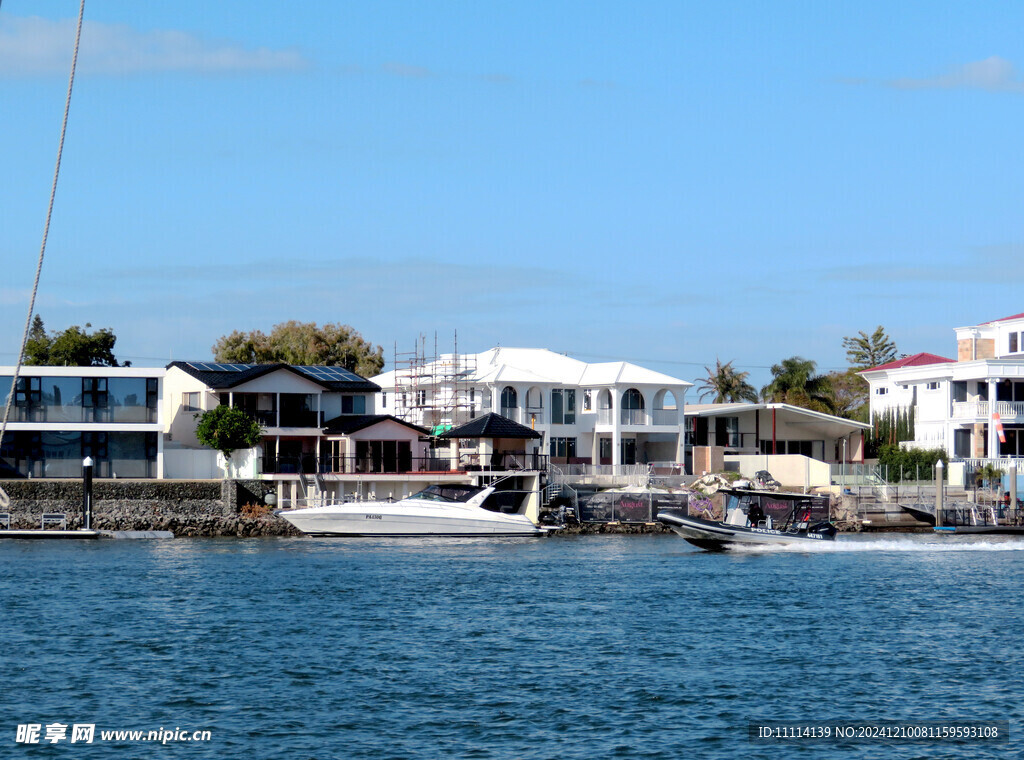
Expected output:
(87, 493)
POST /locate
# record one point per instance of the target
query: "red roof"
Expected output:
(1004, 319)
(917, 360)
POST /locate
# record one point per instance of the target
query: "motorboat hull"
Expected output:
(397, 519)
(720, 536)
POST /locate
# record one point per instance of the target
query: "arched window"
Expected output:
(632, 399)
(509, 397)
(510, 403)
(633, 408)
(666, 411)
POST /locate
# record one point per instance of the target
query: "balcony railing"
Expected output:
(983, 409)
(71, 413)
(534, 416)
(301, 419)
(505, 461)
(510, 412)
(626, 417)
(666, 416)
(634, 417)
(353, 465)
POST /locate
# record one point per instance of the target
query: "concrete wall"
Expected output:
(792, 470)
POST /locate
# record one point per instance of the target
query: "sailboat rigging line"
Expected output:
(4, 499)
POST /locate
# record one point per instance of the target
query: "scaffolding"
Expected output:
(436, 391)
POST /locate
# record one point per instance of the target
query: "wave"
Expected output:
(928, 544)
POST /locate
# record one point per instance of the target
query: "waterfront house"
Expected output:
(61, 415)
(791, 442)
(972, 407)
(587, 414)
(323, 435)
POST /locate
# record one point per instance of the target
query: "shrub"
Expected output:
(910, 464)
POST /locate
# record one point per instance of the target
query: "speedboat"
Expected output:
(438, 510)
(778, 518)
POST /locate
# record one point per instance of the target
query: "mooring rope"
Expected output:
(4, 498)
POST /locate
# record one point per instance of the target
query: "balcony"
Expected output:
(510, 412)
(300, 419)
(982, 410)
(75, 414)
(634, 416)
(377, 465)
(666, 417)
(534, 416)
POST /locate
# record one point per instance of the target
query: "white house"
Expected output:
(973, 406)
(323, 437)
(612, 413)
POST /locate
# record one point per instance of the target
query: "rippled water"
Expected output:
(566, 647)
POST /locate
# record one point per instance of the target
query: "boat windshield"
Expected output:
(783, 508)
(454, 493)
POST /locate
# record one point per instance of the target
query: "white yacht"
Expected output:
(439, 510)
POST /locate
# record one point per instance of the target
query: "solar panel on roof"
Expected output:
(214, 367)
(330, 373)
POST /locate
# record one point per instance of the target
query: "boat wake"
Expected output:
(923, 544)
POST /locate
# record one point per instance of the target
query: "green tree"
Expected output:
(864, 351)
(888, 428)
(302, 343)
(37, 348)
(228, 429)
(73, 347)
(794, 382)
(725, 384)
(848, 395)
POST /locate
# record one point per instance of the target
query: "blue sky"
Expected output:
(660, 182)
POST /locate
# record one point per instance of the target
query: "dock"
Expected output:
(80, 534)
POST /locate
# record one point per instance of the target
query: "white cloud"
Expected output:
(38, 46)
(994, 74)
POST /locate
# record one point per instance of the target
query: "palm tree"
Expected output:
(794, 382)
(726, 384)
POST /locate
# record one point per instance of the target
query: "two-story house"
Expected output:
(60, 415)
(610, 413)
(973, 406)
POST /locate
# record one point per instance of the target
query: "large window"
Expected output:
(299, 410)
(563, 406)
(94, 396)
(510, 403)
(262, 407)
(727, 432)
(959, 390)
(62, 399)
(562, 448)
(128, 399)
(59, 454)
(353, 404)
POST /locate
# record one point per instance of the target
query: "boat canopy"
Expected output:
(457, 493)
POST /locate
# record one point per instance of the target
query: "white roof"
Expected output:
(539, 365)
(790, 411)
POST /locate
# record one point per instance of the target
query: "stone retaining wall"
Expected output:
(184, 507)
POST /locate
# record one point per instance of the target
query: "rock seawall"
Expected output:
(184, 507)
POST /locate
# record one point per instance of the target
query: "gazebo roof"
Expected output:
(491, 426)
